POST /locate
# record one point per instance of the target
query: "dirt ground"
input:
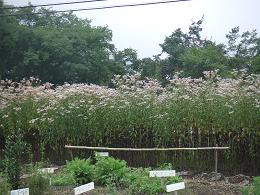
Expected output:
(213, 188)
(193, 187)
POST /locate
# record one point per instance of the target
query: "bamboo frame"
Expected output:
(143, 149)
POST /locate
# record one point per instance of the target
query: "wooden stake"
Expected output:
(216, 161)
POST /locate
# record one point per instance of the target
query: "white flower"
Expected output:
(33, 121)
(5, 116)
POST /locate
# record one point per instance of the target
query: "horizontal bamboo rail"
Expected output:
(143, 149)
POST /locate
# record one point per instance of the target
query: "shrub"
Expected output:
(81, 169)
(14, 149)
(254, 189)
(38, 181)
(38, 184)
(4, 185)
(63, 179)
(110, 171)
(256, 185)
(139, 182)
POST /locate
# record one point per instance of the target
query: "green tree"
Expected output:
(128, 58)
(195, 60)
(56, 47)
(243, 49)
(151, 67)
(189, 53)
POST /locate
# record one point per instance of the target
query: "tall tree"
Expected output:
(56, 47)
(243, 49)
(128, 58)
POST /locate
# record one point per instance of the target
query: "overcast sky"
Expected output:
(144, 28)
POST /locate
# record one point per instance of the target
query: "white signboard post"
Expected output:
(175, 187)
(48, 170)
(105, 154)
(24, 191)
(84, 188)
(163, 173)
(167, 173)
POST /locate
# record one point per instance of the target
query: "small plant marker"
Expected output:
(104, 154)
(24, 191)
(167, 173)
(84, 188)
(175, 187)
(162, 173)
(48, 170)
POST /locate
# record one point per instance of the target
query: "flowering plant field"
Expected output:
(137, 112)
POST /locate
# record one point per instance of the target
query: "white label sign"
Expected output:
(103, 153)
(84, 188)
(48, 170)
(163, 173)
(24, 191)
(175, 187)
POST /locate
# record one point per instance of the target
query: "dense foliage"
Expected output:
(191, 54)
(254, 189)
(15, 148)
(115, 175)
(81, 169)
(139, 113)
(56, 48)
(60, 47)
(4, 185)
(186, 103)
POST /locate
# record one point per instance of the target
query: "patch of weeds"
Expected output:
(139, 182)
(256, 185)
(81, 169)
(254, 189)
(109, 170)
(166, 166)
(38, 182)
(14, 150)
(63, 179)
(171, 180)
(4, 185)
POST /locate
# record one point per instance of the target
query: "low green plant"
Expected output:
(4, 185)
(171, 180)
(254, 189)
(111, 189)
(166, 166)
(109, 170)
(139, 182)
(15, 147)
(256, 185)
(246, 190)
(38, 182)
(81, 169)
(63, 179)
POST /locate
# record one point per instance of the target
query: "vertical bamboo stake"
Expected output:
(216, 159)
(71, 155)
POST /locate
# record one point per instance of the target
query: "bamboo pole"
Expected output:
(143, 149)
(216, 161)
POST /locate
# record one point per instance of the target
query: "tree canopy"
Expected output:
(189, 53)
(56, 48)
(60, 47)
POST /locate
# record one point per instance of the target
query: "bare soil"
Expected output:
(193, 187)
(213, 188)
